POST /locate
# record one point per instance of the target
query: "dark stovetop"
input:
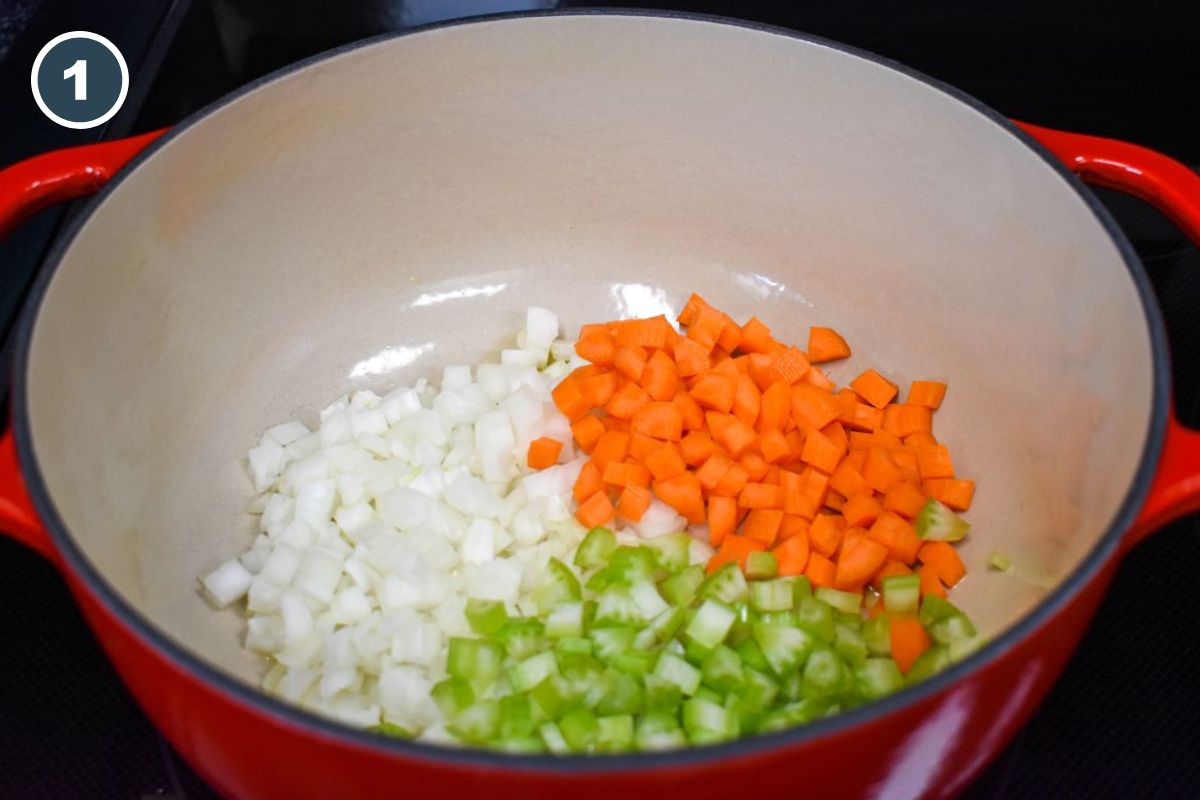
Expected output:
(1117, 723)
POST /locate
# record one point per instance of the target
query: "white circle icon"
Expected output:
(79, 80)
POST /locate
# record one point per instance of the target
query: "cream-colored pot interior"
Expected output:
(370, 218)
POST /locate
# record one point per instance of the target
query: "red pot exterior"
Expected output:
(931, 749)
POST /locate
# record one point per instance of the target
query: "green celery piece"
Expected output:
(791, 685)
(565, 619)
(955, 629)
(850, 620)
(961, 648)
(616, 606)
(659, 730)
(679, 672)
(722, 670)
(801, 588)
(599, 581)
(670, 551)
(775, 595)
(595, 549)
(553, 739)
(572, 650)
(553, 697)
(877, 636)
(661, 695)
(516, 717)
(522, 636)
(929, 663)
(649, 602)
(785, 647)
(636, 662)
(816, 617)
(610, 642)
(528, 673)
(711, 695)
(486, 616)
(999, 561)
(761, 564)
(788, 618)
(935, 609)
(743, 625)
(849, 644)
(936, 521)
(793, 714)
(391, 729)
(680, 589)
(901, 593)
(557, 584)
(694, 652)
(582, 677)
(580, 729)
(622, 694)
(476, 661)
(752, 655)
(848, 602)
(673, 646)
(758, 690)
(727, 584)
(522, 745)
(615, 733)
(452, 696)
(877, 677)
(628, 564)
(824, 673)
(478, 723)
(706, 722)
(667, 624)
(711, 624)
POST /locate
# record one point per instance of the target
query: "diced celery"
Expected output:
(722, 670)
(451, 696)
(553, 739)
(670, 550)
(614, 734)
(580, 678)
(849, 644)
(636, 662)
(752, 655)
(801, 588)
(758, 690)
(478, 723)
(485, 616)
(661, 694)
(936, 521)
(667, 624)
(961, 648)
(743, 625)
(952, 629)
(610, 642)
(997, 560)
(877, 636)
(516, 716)
(524, 745)
(659, 730)
(616, 606)
(877, 677)
(929, 663)
(628, 564)
(816, 617)
(477, 661)
(599, 581)
(901, 593)
(788, 618)
(711, 624)
(557, 584)
(679, 672)
(565, 619)
(706, 721)
(695, 652)
(790, 684)
(847, 602)
(580, 729)
(522, 636)
(391, 729)
(595, 549)
(795, 713)
(761, 564)
(620, 694)
(526, 674)
(935, 609)
(680, 589)
(649, 602)
(711, 695)
(727, 584)
(552, 697)
(776, 595)
(572, 649)
(784, 647)
(824, 673)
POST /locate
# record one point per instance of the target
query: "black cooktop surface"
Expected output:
(1121, 723)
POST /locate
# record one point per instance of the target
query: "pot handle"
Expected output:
(26, 188)
(1174, 190)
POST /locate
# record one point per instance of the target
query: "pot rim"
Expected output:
(281, 713)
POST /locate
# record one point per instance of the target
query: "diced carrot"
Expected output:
(835, 433)
(690, 358)
(599, 389)
(920, 439)
(626, 401)
(858, 559)
(890, 567)
(834, 500)
(902, 420)
(630, 362)
(874, 388)
(696, 447)
(860, 510)
(586, 431)
(643, 332)
(731, 335)
(944, 560)
(612, 446)
(760, 370)
(596, 345)
(856, 459)
(755, 465)
(820, 570)
(906, 462)
(908, 639)
(817, 377)
(706, 327)
(761, 495)
(905, 499)
(682, 493)
(543, 452)
(633, 503)
(825, 533)
(812, 407)
(848, 480)
(792, 554)
(756, 337)
(737, 437)
(734, 548)
(763, 524)
(814, 488)
(712, 471)
(732, 481)
(587, 371)
(866, 417)
(884, 439)
(792, 525)
(926, 393)
(933, 461)
(880, 470)
(746, 400)
(860, 440)
(641, 446)
(775, 406)
(626, 473)
(661, 420)
(875, 610)
(569, 399)
(722, 518)
(659, 378)
(596, 510)
(689, 411)
(773, 445)
(791, 365)
(897, 535)
(773, 473)
(795, 440)
(820, 452)
(617, 424)
(930, 584)
(826, 344)
(954, 492)
(665, 461)
(723, 365)
(589, 482)
(846, 401)
(714, 391)
(691, 308)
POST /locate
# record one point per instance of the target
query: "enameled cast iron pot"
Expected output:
(367, 216)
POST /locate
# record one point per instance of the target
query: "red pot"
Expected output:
(670, 153)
